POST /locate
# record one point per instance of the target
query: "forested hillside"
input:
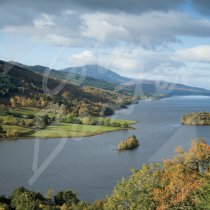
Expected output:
(103, 78)
(30, 101)
(19, 80)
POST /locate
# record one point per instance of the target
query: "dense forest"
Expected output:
(179, 183)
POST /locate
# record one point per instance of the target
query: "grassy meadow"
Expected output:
(59, 129)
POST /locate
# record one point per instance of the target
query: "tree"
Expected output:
(3, 110)
(179, 183)
(182, 176)
(23, 199)
(136, 192)
(67, 197)
(108, 111)
(24, 102)
(1, 130)
(13, 103)
(86, 121)
(66, 95)
(83, 110)
(202, 196)
(45, 119)
(63, 109)
(12, 133)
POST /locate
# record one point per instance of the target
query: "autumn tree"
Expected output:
(66, 95)
(83, 110)
(13, 103)
(179, 183)
(63, 109)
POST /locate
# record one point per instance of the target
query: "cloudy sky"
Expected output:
(152, 39)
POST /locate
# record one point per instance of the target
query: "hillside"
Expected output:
(97, 76)
(97, 72)
(100, 77)
(18, 79)
(165, 88)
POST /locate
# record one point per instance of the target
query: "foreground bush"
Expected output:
(180, 183)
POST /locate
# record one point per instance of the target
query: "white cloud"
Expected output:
(131, 62)
(152, 27)
(58, 40)
(199, 53)
(83, 58)
(139, 63)
(150, 30)
(68, 12)
(44, 20)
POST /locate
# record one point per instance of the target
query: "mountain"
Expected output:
(149, 87)
(132, 86)
(18, 79)
(97, 72)
(77, 79)
(103, 78)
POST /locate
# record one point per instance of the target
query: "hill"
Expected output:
(149, 87)
(97, 76)
(97, 72)
(18, 79)
(103, 78)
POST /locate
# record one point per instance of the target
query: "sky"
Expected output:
(151, 39)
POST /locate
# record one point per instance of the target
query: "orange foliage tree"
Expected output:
(182, 176)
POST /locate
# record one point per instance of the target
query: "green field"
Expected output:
(58, 129)
(26, 110)
(32, 110)
(72, 130)
(17, 128)
(129, 122)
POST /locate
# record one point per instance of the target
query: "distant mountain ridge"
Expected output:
(100, 77)
(147, 86)
(97, 72)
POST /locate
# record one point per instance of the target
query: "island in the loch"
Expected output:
(196, 118)
(128, 144)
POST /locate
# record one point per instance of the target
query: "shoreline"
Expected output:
(109, 129)
(69, 137)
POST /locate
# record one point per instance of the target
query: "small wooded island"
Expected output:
(196, 118)
(128, 144)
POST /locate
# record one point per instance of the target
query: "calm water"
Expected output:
(91, 166)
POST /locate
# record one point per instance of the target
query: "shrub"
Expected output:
(12, 133)
(67, 197)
